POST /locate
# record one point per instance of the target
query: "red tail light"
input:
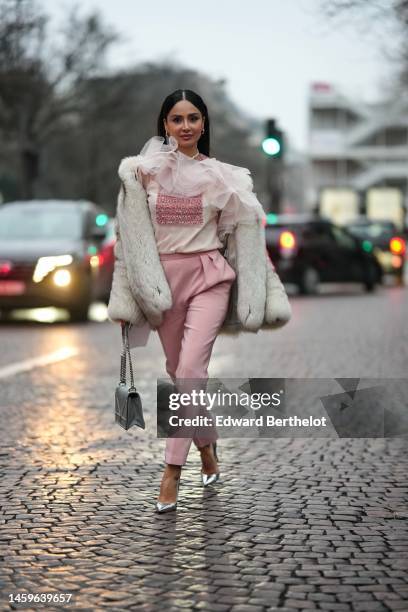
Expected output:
(5, 268)
(107, 254)
(287, 240)
(397, 245)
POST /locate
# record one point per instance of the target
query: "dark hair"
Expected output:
(203, 143)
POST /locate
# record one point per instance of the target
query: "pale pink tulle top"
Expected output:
(194, 202)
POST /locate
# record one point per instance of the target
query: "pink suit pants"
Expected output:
(200, 284)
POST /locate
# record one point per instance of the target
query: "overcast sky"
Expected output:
(267, 50)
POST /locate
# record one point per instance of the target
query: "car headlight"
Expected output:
(62, 278)
(45, 265)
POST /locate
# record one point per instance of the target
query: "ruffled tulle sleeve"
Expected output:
(154, 157)
(239, 202)
(227, 188)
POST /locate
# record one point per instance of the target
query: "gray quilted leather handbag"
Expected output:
(128, 403)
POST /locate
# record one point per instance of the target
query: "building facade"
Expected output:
(356, 147)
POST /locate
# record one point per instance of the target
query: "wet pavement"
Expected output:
(294, 524)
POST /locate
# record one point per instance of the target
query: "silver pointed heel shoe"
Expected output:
(208, 479)
(162, 507)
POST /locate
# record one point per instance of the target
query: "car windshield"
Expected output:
(39, 223)
(373, 230)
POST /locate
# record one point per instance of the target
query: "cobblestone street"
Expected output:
(295, 524)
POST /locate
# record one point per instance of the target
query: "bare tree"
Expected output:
(66, 121)
(389, 17)
(37, 82)
(120, 114)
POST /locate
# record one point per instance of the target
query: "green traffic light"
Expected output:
(271, 218)
(271, 146)
(367, 246)
(101, 220)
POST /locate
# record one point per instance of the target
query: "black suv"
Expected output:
(49, 255)
(308, 250)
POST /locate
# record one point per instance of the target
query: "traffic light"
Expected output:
(101, 219)
(271, 218)
(273, 144)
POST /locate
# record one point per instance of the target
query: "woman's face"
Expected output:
(185, 122)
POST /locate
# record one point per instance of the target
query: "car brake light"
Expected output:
(396, 261)
(287, 240)
(5, 268)
(397, 245)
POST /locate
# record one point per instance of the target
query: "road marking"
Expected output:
(29, 364)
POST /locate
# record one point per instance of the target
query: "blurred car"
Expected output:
(389, 245)
(308, 250)
(49, 255)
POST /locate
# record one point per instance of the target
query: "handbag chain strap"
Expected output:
(126, 349)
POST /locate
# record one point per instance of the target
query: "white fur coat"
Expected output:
(140, 290)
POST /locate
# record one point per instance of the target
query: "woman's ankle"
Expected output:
(169, 485)
(173, 470)
(208, 459)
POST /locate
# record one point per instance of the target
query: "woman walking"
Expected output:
(176, 207)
